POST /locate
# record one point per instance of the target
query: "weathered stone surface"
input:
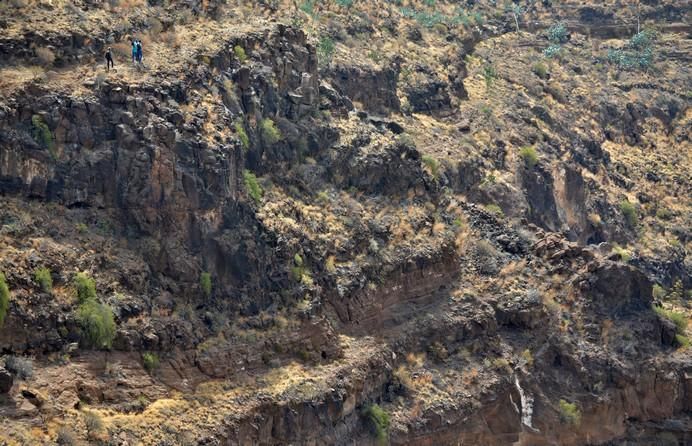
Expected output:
(6, 380)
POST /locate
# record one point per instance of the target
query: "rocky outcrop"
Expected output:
(406, 288)
(430, 95)
(380, 170)
(374, 89)
(6, 381)
(162, 177)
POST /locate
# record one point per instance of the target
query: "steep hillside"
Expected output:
(348, 222)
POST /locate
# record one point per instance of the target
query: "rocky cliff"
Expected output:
(345, 223)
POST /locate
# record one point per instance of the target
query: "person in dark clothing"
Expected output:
(109, 59)
(134, 50)
(138, 46)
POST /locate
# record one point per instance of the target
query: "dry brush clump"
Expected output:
(45, 56)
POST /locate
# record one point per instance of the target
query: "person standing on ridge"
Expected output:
(140, 56)
(109, 59)
(134, 50)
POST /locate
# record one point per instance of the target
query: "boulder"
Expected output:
(6, 381)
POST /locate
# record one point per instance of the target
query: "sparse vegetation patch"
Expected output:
(379, 422)
(4, 299)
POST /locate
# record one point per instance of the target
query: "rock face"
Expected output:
(435, 235)
(161, 177)
(6, 381)
(375, 90)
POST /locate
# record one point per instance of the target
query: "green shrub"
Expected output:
(494, 209)
(42, 133)
(242, 135)
(239, 52)
(86, 288)
(252, 186)
(43, 278)
(325, 50)
(630, 212)
(658, 292)
(637, 54)
(308, 7)
(205, 284)
(679, 319)
(530, 156)
(541, 70)
(150, 362)
(557, 33)
(344, 3)
(642, 40)
(432, 164)
(4, 299)
(624, 254)
(489, 75)
(270, 134)
(682, 341)
(570, 413)
(379, 421)
(98, 324)
(552, 51)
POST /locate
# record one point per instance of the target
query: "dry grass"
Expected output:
(45, 56)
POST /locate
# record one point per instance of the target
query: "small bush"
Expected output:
(205, 284)
(530, 156)
(637, 54)
(570, 413)
(43, 278)
(4, 299)
(379, 421)
(86, 288)
(558, 33)
(489, 75)
(98, 324)
(330, 264)
(93, 423)
(487, 257)
(629, 211)
(552, 51)
(540, 70)
(658, 292)
(682, 341)
(594, 219)
(432, 164)
(45, 56)
(42, 134)
(325, 50)
(252, 186)
(155, 27)
(528, 357)
(66, 437)
(270, 134)
(495, 210)
(239, 52)
(242, 135)
(22, 368)
(151, 362)
(623, 253)
(679, 319)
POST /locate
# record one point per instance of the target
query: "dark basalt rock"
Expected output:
(6, 381)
